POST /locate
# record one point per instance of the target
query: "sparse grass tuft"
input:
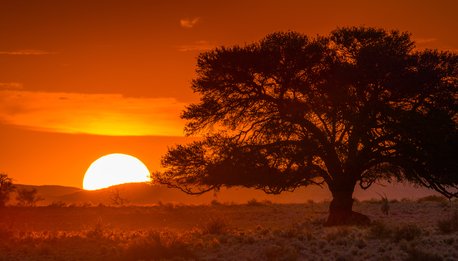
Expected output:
(280, 252)
(254, 202)
(414, 254)
(449, 225)
(98, 231)
(158, 246)
(216, 226)
(340, 233)
(407, 232)
(215, 203)
(379, 230)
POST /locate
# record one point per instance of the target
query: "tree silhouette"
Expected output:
(27, 197)
(354, 107)
(6, 187)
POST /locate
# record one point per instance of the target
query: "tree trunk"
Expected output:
(340, 210)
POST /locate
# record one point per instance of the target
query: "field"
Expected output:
(414, 230)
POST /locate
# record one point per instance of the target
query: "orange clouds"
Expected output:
(101, 114)
(26, 52)
(189, 23)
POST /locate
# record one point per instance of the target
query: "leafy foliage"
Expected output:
(358, 105)
(6, 187)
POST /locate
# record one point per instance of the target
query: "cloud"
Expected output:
(25, 52)
(189, 23)
(196, 46)
(11, 85)
(101, 114)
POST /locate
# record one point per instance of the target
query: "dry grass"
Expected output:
(222, 231)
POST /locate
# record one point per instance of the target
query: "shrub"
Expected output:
(158, 246)
(280, 252)
(216, 226)
(450, 225)
(297, 230)
(215, 203)
(407, 232)
(379, 230)
(6, 187)
(27, 197)
(433, 198)
(254, 202)
(98, 231)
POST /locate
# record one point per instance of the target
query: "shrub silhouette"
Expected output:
(27, 197)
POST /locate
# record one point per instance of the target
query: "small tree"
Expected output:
(116, 198)
(6, 187)
(27, 197)
(354, 107)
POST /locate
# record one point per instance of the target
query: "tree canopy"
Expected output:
(355, 106)
(6, 187)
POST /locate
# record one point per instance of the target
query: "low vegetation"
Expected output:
(449, 225)
(220, 231)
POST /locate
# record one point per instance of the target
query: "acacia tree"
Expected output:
(6, 187)
(353, 107)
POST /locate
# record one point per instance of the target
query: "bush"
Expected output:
(158, 246)
(98, 231)
(433, 198)
(215, 203)
(379, 230)
(216, 226)
(450, 225)
(6, 187)
(254, 202)
(407, 232)
(280, 252)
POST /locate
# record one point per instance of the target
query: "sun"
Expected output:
(114, 169)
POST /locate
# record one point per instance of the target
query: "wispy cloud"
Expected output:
(189, 23)
(11, 86)
(196, 46)
(26, 52)
(101, 114)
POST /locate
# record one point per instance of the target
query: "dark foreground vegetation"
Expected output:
(426, 229)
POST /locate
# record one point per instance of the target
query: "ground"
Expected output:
(413, 230)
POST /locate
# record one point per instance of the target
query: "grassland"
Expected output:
(414, 230)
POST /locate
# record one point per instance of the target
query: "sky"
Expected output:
(80, 79)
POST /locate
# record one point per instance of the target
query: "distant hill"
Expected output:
(145, 194)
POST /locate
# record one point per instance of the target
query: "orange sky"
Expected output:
(84, 78)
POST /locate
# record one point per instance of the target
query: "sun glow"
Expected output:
(114, 169)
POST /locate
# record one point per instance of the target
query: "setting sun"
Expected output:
(114, 169)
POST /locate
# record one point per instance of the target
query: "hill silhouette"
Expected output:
(146, 194)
